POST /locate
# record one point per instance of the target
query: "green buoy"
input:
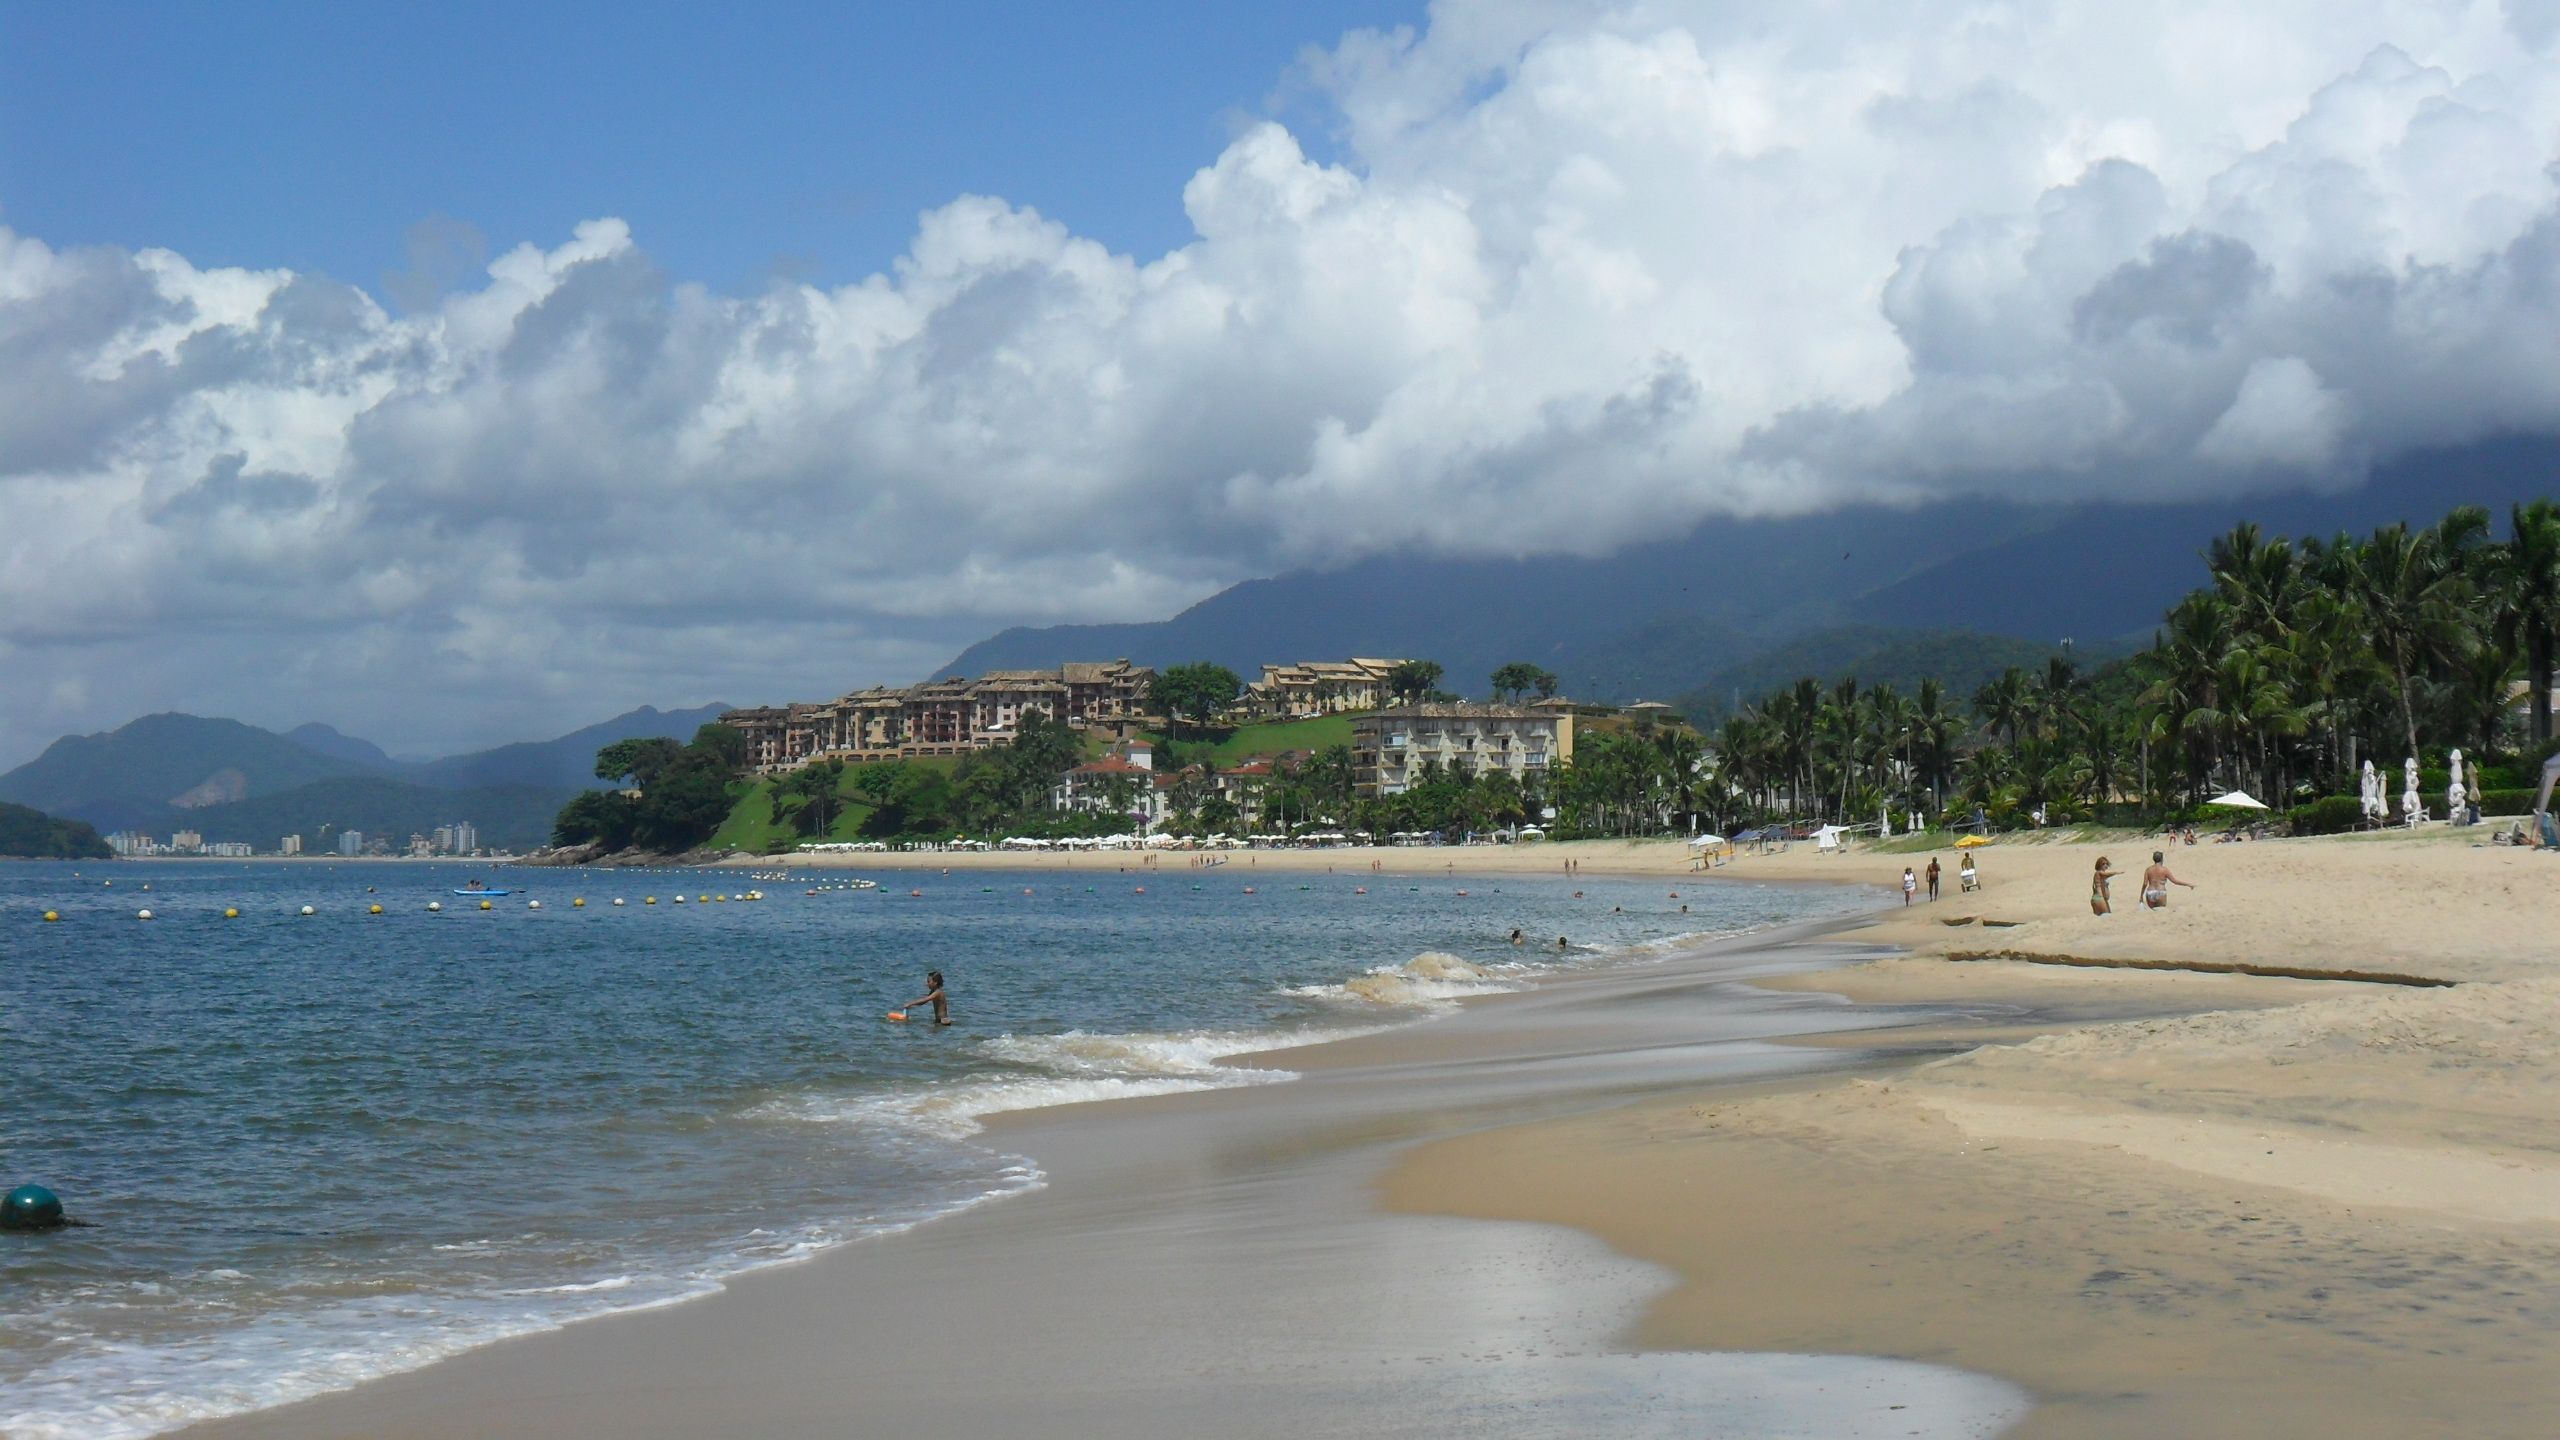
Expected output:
(30, 1207)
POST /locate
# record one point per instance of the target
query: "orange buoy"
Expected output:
(899, 1015)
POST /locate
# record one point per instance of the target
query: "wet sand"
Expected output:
(2313, 1207)
(1214, 1263)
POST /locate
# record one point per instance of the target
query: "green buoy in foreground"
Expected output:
(30, 1207)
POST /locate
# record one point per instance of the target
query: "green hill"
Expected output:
(132, 776)
(33, 835)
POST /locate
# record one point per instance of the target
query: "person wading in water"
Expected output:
(933, 992)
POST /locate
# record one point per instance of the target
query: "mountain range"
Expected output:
(1969, 582)
(231, 781)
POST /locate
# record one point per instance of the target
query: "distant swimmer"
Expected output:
(1561, 945)
(934, 995)
(1518, 939)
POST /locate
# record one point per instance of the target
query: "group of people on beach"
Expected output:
(1912, 880)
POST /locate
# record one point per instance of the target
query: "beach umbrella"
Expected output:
(1971, 841)
(2238, 800)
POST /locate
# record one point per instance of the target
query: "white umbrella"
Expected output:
(2238, 799)
(1701, 842)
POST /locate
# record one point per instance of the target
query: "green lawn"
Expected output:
(1271, 739)
(750, 824)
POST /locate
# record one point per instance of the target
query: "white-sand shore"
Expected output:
(2198, 1204)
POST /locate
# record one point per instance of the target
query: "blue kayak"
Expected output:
(483, 892)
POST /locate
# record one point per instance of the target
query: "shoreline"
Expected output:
(1062, 1138)
(1657, 1140)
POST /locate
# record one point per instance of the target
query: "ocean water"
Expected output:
(317, 1149)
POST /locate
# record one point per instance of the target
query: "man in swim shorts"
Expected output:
(2156, 882)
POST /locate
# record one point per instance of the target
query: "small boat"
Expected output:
(483, 892)
(862, 884)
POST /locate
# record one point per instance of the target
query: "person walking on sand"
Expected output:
(2156, 882)
(933, 994)
(1966, 877)
(1933, 879)
(2098, 899)
(1910, 884)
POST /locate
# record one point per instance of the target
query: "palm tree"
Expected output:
(1935, 731)
(2003, 704)
(2413, 590)
(2526, 594)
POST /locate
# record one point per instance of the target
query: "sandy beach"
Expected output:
(2047, 1196)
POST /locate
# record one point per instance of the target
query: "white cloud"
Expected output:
(1584, 274)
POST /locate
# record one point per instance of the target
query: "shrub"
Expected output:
(2507, 802)
(2328, 815)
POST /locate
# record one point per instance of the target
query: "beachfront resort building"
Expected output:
(1390, 748)
(1319, 687)
(1123, 782)
(942, 717)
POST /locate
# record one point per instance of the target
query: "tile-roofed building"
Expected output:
(1320, 687)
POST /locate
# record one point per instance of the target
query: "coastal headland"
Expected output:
(1996, 1138)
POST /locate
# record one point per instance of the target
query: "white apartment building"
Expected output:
(1389, 748)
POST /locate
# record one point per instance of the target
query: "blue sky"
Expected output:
(1200, 293)
(738, 140)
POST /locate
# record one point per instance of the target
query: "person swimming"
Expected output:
(933, 992)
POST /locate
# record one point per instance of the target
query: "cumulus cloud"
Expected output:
(1579, 275)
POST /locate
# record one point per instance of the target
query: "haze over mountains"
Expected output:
(1698, 619)
(230, 781)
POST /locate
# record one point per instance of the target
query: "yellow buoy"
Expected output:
(484, 904)
(578, 904)
(652, 900)
(231, 914)
(50, 915)
(373, 910)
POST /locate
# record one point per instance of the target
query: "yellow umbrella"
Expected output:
(1970, 841)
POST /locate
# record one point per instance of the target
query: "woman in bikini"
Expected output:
(2157, 880)
(2098, 902)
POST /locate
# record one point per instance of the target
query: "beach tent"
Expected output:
(1970, 841)
(2238, 800)
(1701, 842)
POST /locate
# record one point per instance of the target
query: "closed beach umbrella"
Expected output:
(2238, 800)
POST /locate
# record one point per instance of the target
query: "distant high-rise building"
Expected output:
(186, 840)
(444, 839)
(350, 842)
(292, 845)
(466, 838)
